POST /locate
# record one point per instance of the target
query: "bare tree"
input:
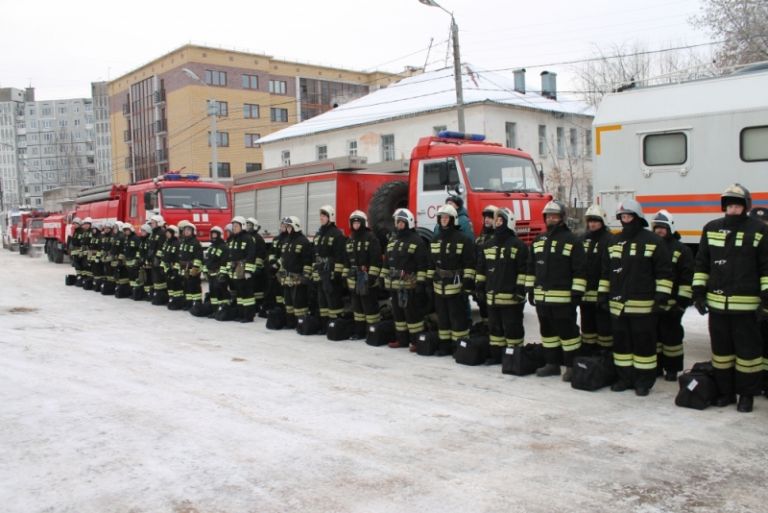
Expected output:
(741, 24)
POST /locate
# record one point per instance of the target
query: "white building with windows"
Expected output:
(387, 123)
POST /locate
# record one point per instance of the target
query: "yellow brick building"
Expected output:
(159, 114)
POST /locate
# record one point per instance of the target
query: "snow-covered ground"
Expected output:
(109, 405)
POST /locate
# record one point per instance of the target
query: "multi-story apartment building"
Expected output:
(102, 141)
(160, 114)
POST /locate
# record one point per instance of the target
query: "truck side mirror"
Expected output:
(148, 205)
(459, 189)
(540, 169)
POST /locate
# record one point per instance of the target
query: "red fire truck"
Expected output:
(16, 225)
(173, 195)
(451, 163)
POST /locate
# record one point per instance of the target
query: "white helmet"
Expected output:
(664, 218)
(228, 227)
(87, 220)
(330, 212)
(191, 226)
(76, 220)
(403, 214)
(146, 228)
(490, 211)
(254, 222)
(158, 219)
(631, 206)
(358, 215)
(217, 229)
(596, 212)
(555, 207)
(508, 217)
(183, 223)
(447, 210)
(293, 222)
(239, 220)
(173, 228)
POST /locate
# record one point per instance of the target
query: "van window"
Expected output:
(754, 144)
(669, 149)
(439, 175)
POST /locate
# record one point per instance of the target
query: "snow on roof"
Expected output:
(734, 93)
(429, 92)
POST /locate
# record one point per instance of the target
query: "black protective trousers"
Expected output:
(634, 349)
(669, 345)
(452, 321)
(296, 300)
(330, 297)
(737, 352)
(408, 314)
(505, 325)
(596, 329)
(560, 334)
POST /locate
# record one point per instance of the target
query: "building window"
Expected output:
(222, 139)
(511, 130)
(76, 122)
(322, 151)
(352, 148)
(215, 78)
(250, 82)
(665, 149)
(250, 167)
(278, 86)
(754, 144)
(278, 114)
(221, 108)
(224, 171)
(588, 143)
(573, 141)
(46, 111)
(286, 157)
(560, 142)
(387, 147)
(542, 140)
(62, 123)
(62, 110)
(439, 128)
(250, 111)
(250, 140)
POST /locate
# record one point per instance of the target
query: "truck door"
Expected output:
(435, 179)
(610, 200)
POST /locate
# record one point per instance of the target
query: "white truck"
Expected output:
(677, 147)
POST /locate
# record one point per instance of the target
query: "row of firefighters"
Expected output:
(632, 288)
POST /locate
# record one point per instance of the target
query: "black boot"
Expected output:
(550, 369)
(160, 298)
(444, 348)
(248, 312)
(290, 321)
(402, 340)
(495, 354)
(360, 331)
(323, 326)
(745, 403)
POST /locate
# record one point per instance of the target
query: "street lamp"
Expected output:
(456, 62)
(214, 135)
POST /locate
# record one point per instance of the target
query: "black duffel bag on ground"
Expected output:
(593, 372)
(308, 325)
(226, 313)
(522, 360)
(426, 344)
(276, 318)
(472, 351)
(70, 279)
(340, 329)
(381, 333)
(201, 309)
(698, 388)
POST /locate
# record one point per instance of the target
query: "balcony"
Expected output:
(159, 96)
(161, 126)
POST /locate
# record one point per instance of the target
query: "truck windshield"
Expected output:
(193, 197)
(501, 173)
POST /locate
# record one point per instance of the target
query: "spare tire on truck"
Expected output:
(388, 198)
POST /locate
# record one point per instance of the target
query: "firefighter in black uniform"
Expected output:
(636, 283)
(122, 281)
(81, 246)
(155, 254)
(669, 346)
(242, 264)
(452, 273)
(94, 258)
(761, 214)
(275, 274)
(144, 293)
(595, 322)
(296, 261)
(556, 282)
(482, 240)
(501, 277)
(172, 267)
(73, 249)
(191, 259)
(329, 249)
(731, 282)
(405, 274)
(259, 278)
(362, 268)
(109, 242)
(131, 261)
(215, 263)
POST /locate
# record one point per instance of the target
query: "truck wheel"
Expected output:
(22, 249)
(49, 250)
(58, 254)
(388, 198)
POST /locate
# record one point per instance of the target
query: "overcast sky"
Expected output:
(59, 47)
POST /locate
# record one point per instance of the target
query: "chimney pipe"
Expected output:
(520, 80)
(549, 85)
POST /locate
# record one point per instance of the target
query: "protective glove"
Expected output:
(659, 301)
(468, 284)
(531, 298)
(519, 294)
(701, 305)
(248, 275)
(480, 292)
